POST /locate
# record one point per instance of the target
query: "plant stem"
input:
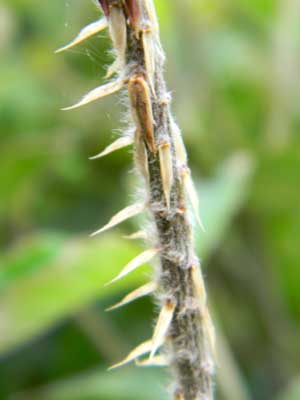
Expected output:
(184, 324)
(188, 340)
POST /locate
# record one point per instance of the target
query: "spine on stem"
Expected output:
(183, 337)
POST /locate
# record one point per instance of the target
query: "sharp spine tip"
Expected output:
(121, 216)
(137, 262)
(157, 361)
(116, 145)
(137, 235)
(98, 93)
(140, 350)
(85, 33)
(142, 291)
(192, 194)
(166, 170)
(162, 326)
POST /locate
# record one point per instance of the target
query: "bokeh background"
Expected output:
(233, 67)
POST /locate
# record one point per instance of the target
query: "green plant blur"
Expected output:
(233, 67)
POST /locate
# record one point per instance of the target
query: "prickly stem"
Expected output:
(184, 324)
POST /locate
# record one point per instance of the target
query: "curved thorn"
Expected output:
(166, 170)
(121, 216)
(140, 350)
(179, 145)
(199, 287)
(137, 235)
(137, 262)
(85, 33)
(116, 145)
(193, 196)
(157, 361)
(163, 323)
(98, 93)
(142, 291)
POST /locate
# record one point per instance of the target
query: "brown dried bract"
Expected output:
(133, 11)
(140, 100)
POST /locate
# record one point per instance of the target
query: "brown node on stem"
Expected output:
(139, 95)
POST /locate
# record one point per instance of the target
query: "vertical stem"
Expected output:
(188, 339)
(161, 158)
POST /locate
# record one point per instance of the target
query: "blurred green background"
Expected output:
(233, 68)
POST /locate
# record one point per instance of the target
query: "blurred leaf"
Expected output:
(220, 200)
(61, 285)
(28, 257)
(292, 392)
(98, 385)
(52, 284)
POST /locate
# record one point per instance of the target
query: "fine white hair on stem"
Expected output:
(184, 327)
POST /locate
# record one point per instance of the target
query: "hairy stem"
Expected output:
(188, 339)
(184, 325)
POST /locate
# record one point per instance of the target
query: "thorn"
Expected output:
(162, 326)
(138, 261)
(179, 145)
(98, 93)
(148, 47)
(157, 361)
(121, 216)
(140, 350)
(141, 108)
(210, 330)
(85, 33)
(166, 170)
(118, 33)
(113, 68)
(152, 15)
(140, 155)
(116, 145)
(193, 196)
(199, 286)
(144, 290)
(137, 235)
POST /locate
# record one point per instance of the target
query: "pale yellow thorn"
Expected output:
(199, 285)
(152, 16)
(179, 145)
(166, 170)
(85, 33)
(138, 261)
(121, 142)
(163, 323)
(140, 350)
(149, 52)
(193, 196)
(142, 291)
(140, 155)
(118, 33)
(157, 361)
(121, 216)
(137, 235)
(113, 68)
(210, 332)
(98, 93)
